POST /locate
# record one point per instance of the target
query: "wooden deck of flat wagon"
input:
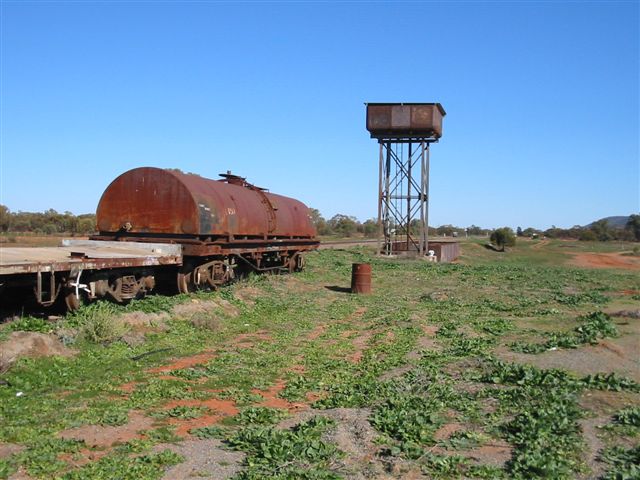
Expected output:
(81, 267)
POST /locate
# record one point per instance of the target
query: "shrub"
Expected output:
(503, 237)
(99, 323)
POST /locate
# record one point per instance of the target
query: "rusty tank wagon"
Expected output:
(223, 225)
(190, 232)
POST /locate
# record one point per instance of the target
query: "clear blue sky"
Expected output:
(542, 101)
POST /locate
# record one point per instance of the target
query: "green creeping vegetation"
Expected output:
(544, 431)
(573, 300)
(31, 324)
(595, 326)
(623, 464)
(628, 416)
(625, 423)
(419, 354)
(493, 326)
(523, 374)
(610, 381)
(125, 467)
(95, 322)
(213, 431)
(286, 454)
(181, 412)
(42, 456)
(260, 416)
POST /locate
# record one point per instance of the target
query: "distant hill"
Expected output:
(614, 222)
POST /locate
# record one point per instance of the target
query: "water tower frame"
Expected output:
(405, 133)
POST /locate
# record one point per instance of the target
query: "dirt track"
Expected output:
(605, 260)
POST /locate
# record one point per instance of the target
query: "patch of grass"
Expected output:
(623, 463)
(573, 300)
(114, 417)
(286, 454)
(42, 457)
(443, 466)
(465, 439)
(98, 323)
(32, 324)
(260, 416)
(494, 326)
(164, 434)
(628, 416)
(7, 467)
(137, 445)
(156, 390)
(212, 431)
(156, 303)
(461, 346)
(546, 437)
(241, 397)
(528, 375)
(610, 381)
(545, 432)
(191, 373)
(124, 467)
(594, 326)
(411, 420)
(183, 412)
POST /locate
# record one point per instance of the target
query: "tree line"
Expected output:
(49, 222)
(349, 226)
(52, 222)
(597, 231)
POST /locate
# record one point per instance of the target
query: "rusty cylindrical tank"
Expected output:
(152, 201)
(361, 278)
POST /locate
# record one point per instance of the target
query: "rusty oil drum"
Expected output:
(361, 278)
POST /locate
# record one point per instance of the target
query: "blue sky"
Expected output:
(542, 101)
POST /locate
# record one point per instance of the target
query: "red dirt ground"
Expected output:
(540, 244)
(447, 430)
(316, 332)
(272, 400)
(185, 362)
(247, 340)
(299, 369)
(605, 260)
(219, 409)
(128, 387)
(99, 436)
(359, 343)
(83, 457)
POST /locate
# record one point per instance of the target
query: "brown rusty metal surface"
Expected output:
(446, 251)
(154, 201)
(405, 120)
(196, 248)
(361, 278)
(293, 248)
(86, 255)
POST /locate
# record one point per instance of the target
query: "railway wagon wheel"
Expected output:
(185, 280)
(74, 301)
(74, 292)
(207, 276)
(296, 263)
